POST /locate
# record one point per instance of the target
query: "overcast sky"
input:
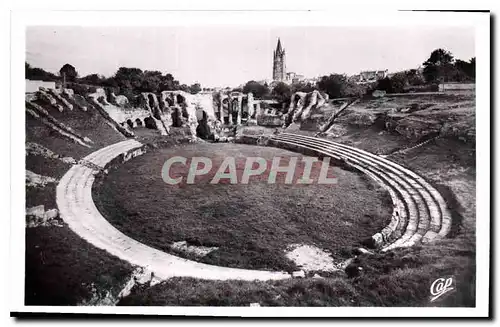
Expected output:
(232, 55)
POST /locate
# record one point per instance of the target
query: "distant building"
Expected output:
(33, 86)
(294, 78)
(369, 76)
(279, 63)
(311, 81)
(290, 76)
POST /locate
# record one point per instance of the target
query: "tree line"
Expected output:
(440, 67)
(126, 81)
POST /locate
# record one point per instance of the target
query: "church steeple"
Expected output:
(279, 65)
(278, 47)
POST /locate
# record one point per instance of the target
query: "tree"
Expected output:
(394, 84)
(352, 89)
(282, 92)
(302, 87)
(169, 83)
(151, 81)
(93, 79)
(38, 74)
(439, 66)
(334, 85)
(398, 82)
(384, 85)
(468, 69)
(414, 77)
(129, 77)
(129, 80)
(68, 72)
(195, 88)
(258, 90)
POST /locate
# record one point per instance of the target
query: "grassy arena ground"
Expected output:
(397, 278)
(251, 224)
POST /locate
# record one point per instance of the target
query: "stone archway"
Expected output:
(203, 131)
(234, 111)
(176, 117)
(180, 99)
(245, 109)
(225, 110)
(170, 101)
(138, 122)
(150, 123)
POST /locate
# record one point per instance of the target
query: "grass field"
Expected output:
(401, 279)
(251, 224)
(397, 278)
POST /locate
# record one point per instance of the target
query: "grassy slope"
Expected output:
(251, 224)
(394, 279)
(60, 266)
(87, 123)
(365, 127)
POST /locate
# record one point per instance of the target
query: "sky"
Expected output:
(218, 56)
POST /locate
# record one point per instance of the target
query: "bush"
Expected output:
(333, 85)
(81, 89)
(302, 87)
(258, 90)
(355, 90)
(282, 92)
(394, 84)
(38, 74)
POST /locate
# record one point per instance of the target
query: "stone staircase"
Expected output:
(420, 213)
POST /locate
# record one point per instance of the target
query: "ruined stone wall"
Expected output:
(122, 112)
(188, 110)
(302, 105)
(235, 108)
(201, 114)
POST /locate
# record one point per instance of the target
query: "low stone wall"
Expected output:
(270, 120)
(456, 86)
(34, 86)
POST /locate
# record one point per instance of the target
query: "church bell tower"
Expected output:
(279, 65)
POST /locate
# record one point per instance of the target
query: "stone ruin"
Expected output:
(206, 115)
(236, 107)
(302, 104)
(194, 112)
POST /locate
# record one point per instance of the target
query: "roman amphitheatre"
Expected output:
(103, 228)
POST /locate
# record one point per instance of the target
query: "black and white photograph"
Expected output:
(235, 161)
